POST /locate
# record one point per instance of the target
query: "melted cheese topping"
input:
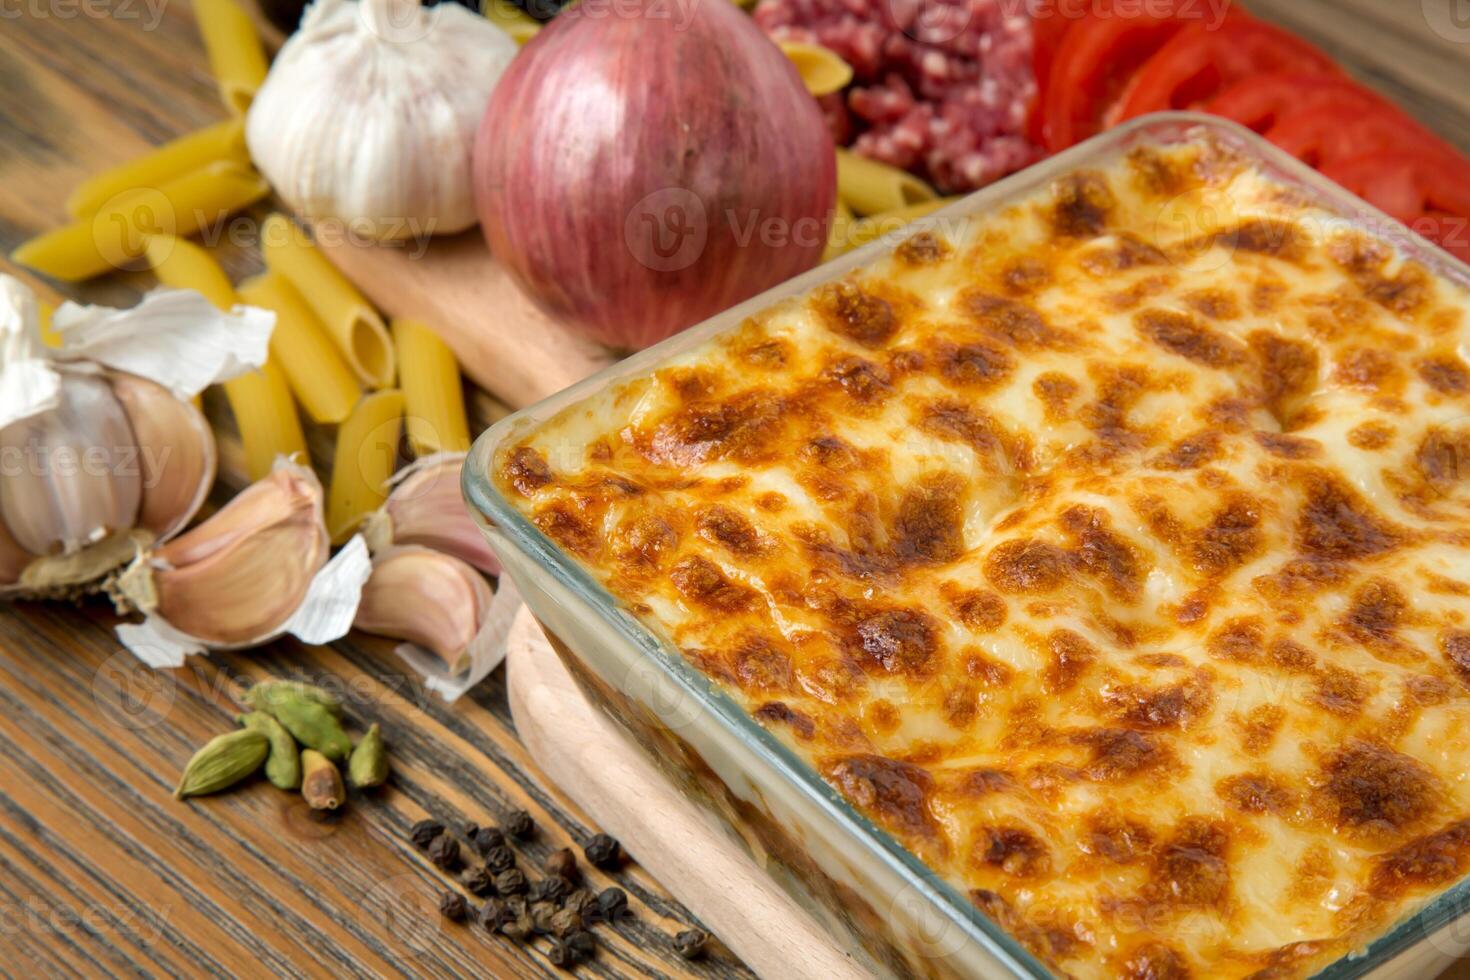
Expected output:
(1110, 552)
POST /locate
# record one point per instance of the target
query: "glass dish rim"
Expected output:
(481, 493)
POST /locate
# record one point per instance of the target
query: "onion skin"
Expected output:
(642, 167)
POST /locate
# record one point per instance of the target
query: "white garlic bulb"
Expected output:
(369, 113)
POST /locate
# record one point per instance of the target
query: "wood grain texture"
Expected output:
(101, 871)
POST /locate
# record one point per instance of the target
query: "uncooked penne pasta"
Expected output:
(433, 395)
(876, 226)
(260, 400)
(822, 70)
(870, 187)
(266, 417)
(838, 231)
(117, 234)
(49, 336)
(320, 379)
(351, 322)
(510, 19)
(236, 57)
(366, 456)
(222, 141)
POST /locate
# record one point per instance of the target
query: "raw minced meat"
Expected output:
(940, 87)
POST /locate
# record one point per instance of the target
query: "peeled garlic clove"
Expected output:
(70, 477)
(238, 577)
(432, 600)
(426, 507)
(176, 453)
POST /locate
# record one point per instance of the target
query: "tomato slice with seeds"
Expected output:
(1341, 128)
(1261, 100)
(1198, 63)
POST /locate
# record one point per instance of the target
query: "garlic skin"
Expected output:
(426, 507)
(432, 600)
(369, 113)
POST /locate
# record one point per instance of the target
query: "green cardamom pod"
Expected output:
(369, 763)
(311, 724)
(283, 765)
(321, 783)
(222, 762)
(263, 696)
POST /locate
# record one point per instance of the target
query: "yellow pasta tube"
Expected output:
(870, 187)
(49, 336)
(319, 377)
(876, 226)
(116, 234)
(366, 456)
(838, 231)
(822, 70)
(260, 400)
(236, 57)
(351, 322)
(266, 417)
(510, 19)
(433, 397)
(222, 141)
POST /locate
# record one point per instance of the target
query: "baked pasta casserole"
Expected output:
(1110, 552)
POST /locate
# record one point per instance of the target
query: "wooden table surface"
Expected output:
(101, 870)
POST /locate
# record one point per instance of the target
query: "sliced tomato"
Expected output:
(1094, 62)
(1342, 128)
(1259, 101)
(1407, 182)
(1047, 32)
(1199, 63)
(1449, 232)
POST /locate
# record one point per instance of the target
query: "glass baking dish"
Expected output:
(894, 915)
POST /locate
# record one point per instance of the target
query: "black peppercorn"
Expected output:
(452, 906)
(690, 943)
(478, 881)
(536, 891)
(491, 913)
(581, 901)
(516, 905)
(564, 863)
(583, 943)
(520, 825)
(511, 882)
(611, 903)
(444, 852)
(541, 913)
(487, 839)
(604, 852)
(555, 888)
(424, 832)
(469, 830)
(517, 927)
(499, 859)
(562, 956)
(564, 922)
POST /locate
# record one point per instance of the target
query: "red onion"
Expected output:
(644, 165)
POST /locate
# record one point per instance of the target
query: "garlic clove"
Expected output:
(13, 558)
(426, 507)
(239, 576)
(176, 453)
(429, 599)
(71, 477)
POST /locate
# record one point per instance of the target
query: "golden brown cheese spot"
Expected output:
(1232, 537)
(1186, 336)
(1191, 868)
(1105, 554)
(765, 354)
(1216, 304)
(1010, 320)
(1013, 850)
(1255, 793)
(974, 365)
(1373, 790)
(1082, 205)
(1455, 645)
(1301, 577)
(1259, 726)
(745, 428)
(723, 526)
(647, 540)
(929, 526)
(1119, 754)
(1364, 260)
(956, 421)
(865, 382)
(1284, 446)
(1115, 838)
(1366, 368)
(1190, 452)
(759, 665)
(1055, 391)
(896, 641)
(701, 582)
(895, 792)
(1443, 459)
(1262, 236)
(846, 309)
(1370, 436)
(1428, 861)
(564, 526)
(1337, 524)
(1052, 940)
(1071, 655)
(1446, 374)
(1025, 275)
(1289, 370)
(1119, 389)
(1175, 706)
(780, 713)
(527, 471)
(1377, 611)
(1154, 961)
(1026, 566)
(1240, 640)
(1291, 657)
(979, 611)
(1130, 252)
(1341, 692)
(925, 248)
(984, 782)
